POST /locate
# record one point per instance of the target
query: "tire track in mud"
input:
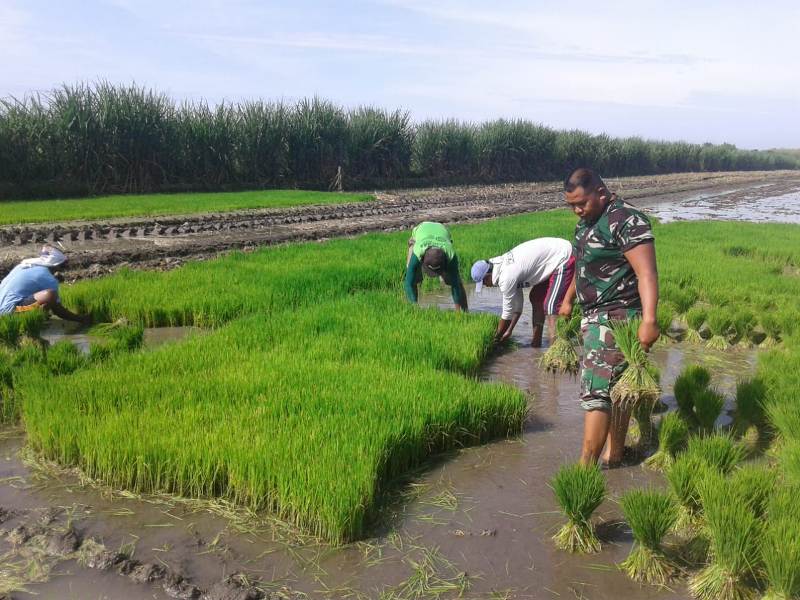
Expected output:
(99, 247)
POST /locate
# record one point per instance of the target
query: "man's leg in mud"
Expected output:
(536, 296)
(604, 425)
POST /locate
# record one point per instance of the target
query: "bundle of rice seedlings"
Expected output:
(651, 515)
(719, 451)
(744, 322)
(683, 476)
(637, 383)
(692, 380)
(708, 405)
(749, 416)
(695, 317)
(771, 325)
(780, 557)
(733, 531)
(579, 490)
(754, 484)
(642, 414)
(665, 315)
(561, 357)
(108, 328)
(673, 433)
(720, 322)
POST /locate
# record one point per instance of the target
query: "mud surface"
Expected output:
(99, 247)
(478, 520)
(56, 330)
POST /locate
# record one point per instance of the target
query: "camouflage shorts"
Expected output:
(602, 362)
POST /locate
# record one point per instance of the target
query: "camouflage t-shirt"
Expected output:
(604, 279)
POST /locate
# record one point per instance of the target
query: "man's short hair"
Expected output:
(434, 261)
(583, 178)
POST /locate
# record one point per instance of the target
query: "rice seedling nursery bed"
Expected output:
(154, 205)
(317, 387)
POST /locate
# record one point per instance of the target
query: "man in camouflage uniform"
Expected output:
(615, 279)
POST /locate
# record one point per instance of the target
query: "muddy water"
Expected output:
(56, 330)
(766, 203)
(481, 518)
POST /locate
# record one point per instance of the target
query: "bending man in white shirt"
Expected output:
(545, 265)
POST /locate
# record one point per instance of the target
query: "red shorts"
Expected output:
(550, 293)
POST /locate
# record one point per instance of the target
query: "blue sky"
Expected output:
(701, 71)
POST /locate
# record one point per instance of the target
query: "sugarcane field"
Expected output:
(277, 326)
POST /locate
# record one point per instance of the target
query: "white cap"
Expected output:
(48, 257)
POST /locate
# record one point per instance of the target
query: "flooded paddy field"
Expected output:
(475, 524)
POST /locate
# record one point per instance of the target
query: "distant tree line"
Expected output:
(106, 138)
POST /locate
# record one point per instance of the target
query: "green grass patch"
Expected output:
(155, 205)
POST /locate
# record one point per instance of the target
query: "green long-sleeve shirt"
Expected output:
(451, 275)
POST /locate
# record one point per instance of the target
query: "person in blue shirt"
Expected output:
(31, 284)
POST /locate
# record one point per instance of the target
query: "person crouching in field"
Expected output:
(31, 284)
(545, 265)
(616, 279)
(431, 251)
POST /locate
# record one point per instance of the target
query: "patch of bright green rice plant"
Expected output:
(719, 451)
(720, 322)
(106, 207)
(689, 383)
(673, 434)
(789, 461)
(733, 530)
(771, 325)
(695, 318)
(637, 383)
(579, 490)
(64, 357)
(561, 356)
(651, 515)
(279, 414)
(750, 396)
(29, 352)
(13, 326)
(665, 315)
(681, 298)
(744, 322)
(754, 483)
(708, 405)
(785, 418)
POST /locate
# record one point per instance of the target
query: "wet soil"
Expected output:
(56, 330)
(479, 519)
(99, 247)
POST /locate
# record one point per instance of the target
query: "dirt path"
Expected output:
(98, 247)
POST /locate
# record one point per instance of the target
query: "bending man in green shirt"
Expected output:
(431, 251)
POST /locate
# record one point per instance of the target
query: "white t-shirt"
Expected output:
(527, 265)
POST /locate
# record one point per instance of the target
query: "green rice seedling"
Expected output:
(784, 417)
(750, 396)
(561, 357)
(734, 532)
(695, 318)
(691, 381)
(780, 556)
(665, 315)
(754, 484)
(29, 352)
(63, 358)
(681, 298)
(708, 405)
(579, 490)
(720, 322)
(683, 476)
(744, 322)
(673, 434)
(9, 329)
(771, 324)
(637, 383)
(32, 322)
(789, 461)
(719, 451)
(651, 515)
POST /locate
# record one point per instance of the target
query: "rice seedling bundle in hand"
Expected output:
(579, 490)
(673, 433)
(637, 383)
(733, 531)
(561, 357)
(708, 405)
(695, 317)
(719, 451)
(651, 515)
(720, 322)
